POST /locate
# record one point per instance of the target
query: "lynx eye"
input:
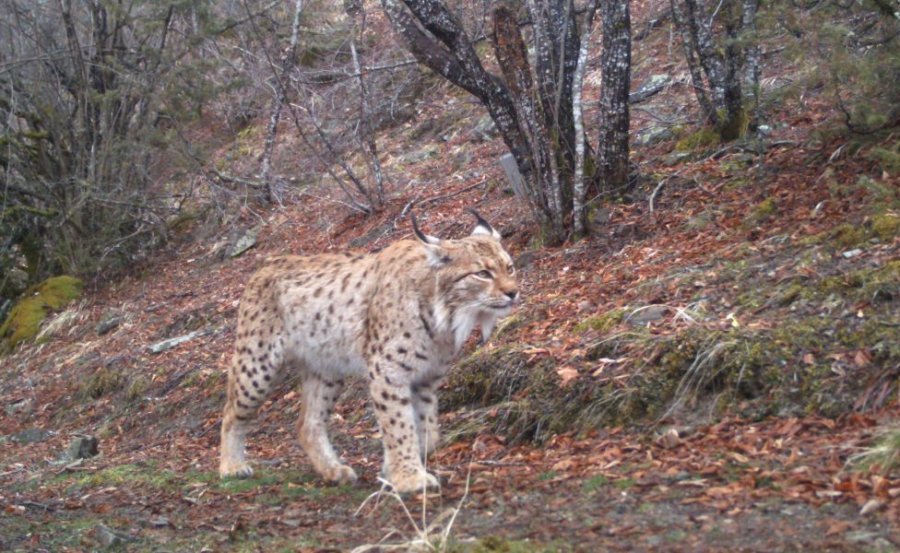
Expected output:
(484, 274)
(511, 269)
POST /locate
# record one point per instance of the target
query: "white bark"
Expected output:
(578, 193)
(278, 103)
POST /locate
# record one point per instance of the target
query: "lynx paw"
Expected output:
(341, 474)
(413, 481)
(235, 470)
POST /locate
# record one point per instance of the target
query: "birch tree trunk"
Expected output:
(578, 194)
(287, 63)
(366, 133)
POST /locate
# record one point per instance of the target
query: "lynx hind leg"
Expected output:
(255, 369)
(425, 405)
(319, 396)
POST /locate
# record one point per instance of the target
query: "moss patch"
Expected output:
(762, 212)
(699, 139)
(886, 226)
(601, 323)
(26, 316)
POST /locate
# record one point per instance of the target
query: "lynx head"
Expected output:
(476, 280)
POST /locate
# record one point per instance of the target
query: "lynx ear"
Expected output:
(483, 228)
(435, 254)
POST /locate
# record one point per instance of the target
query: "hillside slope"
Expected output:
(694, 376)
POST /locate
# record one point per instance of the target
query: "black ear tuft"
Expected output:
(419, 234)
(481, 220)
(482, 227)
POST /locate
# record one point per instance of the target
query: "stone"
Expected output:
(648, 314)
(425, 153)
(82, 447)
(170, 343)
(484, 130)
(371, 236)
(32, 435)
(653, 135)
(19, 406)
(245, 242)
(511, 168)
(109, 537)
(652, 86)
(524, 260)
(108, 323)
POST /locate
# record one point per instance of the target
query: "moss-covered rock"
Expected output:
(699, 139)
(601, 323)
(886, 226)
(26, 316)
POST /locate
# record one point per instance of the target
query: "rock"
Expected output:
(648, 314)
(82, 447)
(245, 242)
(109, 537)
(427, 152)
(484, 130)
(525, 260)
(652, 86)
(32, 435)
(851, 253)
(159, 522)
(653, 135)
(19, 406)
(511, 168)
(160, 347)
(675, 158)
(370, 236)
(108, 322)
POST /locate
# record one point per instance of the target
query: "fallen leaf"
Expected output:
(871, 506)
(567, 374)
(837, 527)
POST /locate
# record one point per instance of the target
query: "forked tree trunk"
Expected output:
(719, 40)
(532, 105)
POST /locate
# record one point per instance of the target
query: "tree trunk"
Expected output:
(531, 106)
(614, 114)
(578, 194)
(280, 92)
(716, 63)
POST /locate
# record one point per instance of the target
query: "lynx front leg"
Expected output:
(396, 417)
(425, 404)
(319, 395)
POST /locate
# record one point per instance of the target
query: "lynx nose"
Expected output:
(512, 294)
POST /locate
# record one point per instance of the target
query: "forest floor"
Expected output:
(790, 238)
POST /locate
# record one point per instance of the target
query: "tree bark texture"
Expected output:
(531, 106)
(579, 185)
(613, 158)
(721, 50)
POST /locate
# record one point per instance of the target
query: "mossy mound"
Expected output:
(698, 140)
(828, 345)
(26, 316)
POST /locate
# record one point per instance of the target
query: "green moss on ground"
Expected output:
(830, 345)
(25, 318)
(886, 226)
(601, 323)
(699, 139)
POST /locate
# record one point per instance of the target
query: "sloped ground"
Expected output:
(694, 377)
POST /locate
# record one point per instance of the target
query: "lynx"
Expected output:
(397, 317)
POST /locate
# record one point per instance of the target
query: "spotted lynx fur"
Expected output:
(398, 316)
